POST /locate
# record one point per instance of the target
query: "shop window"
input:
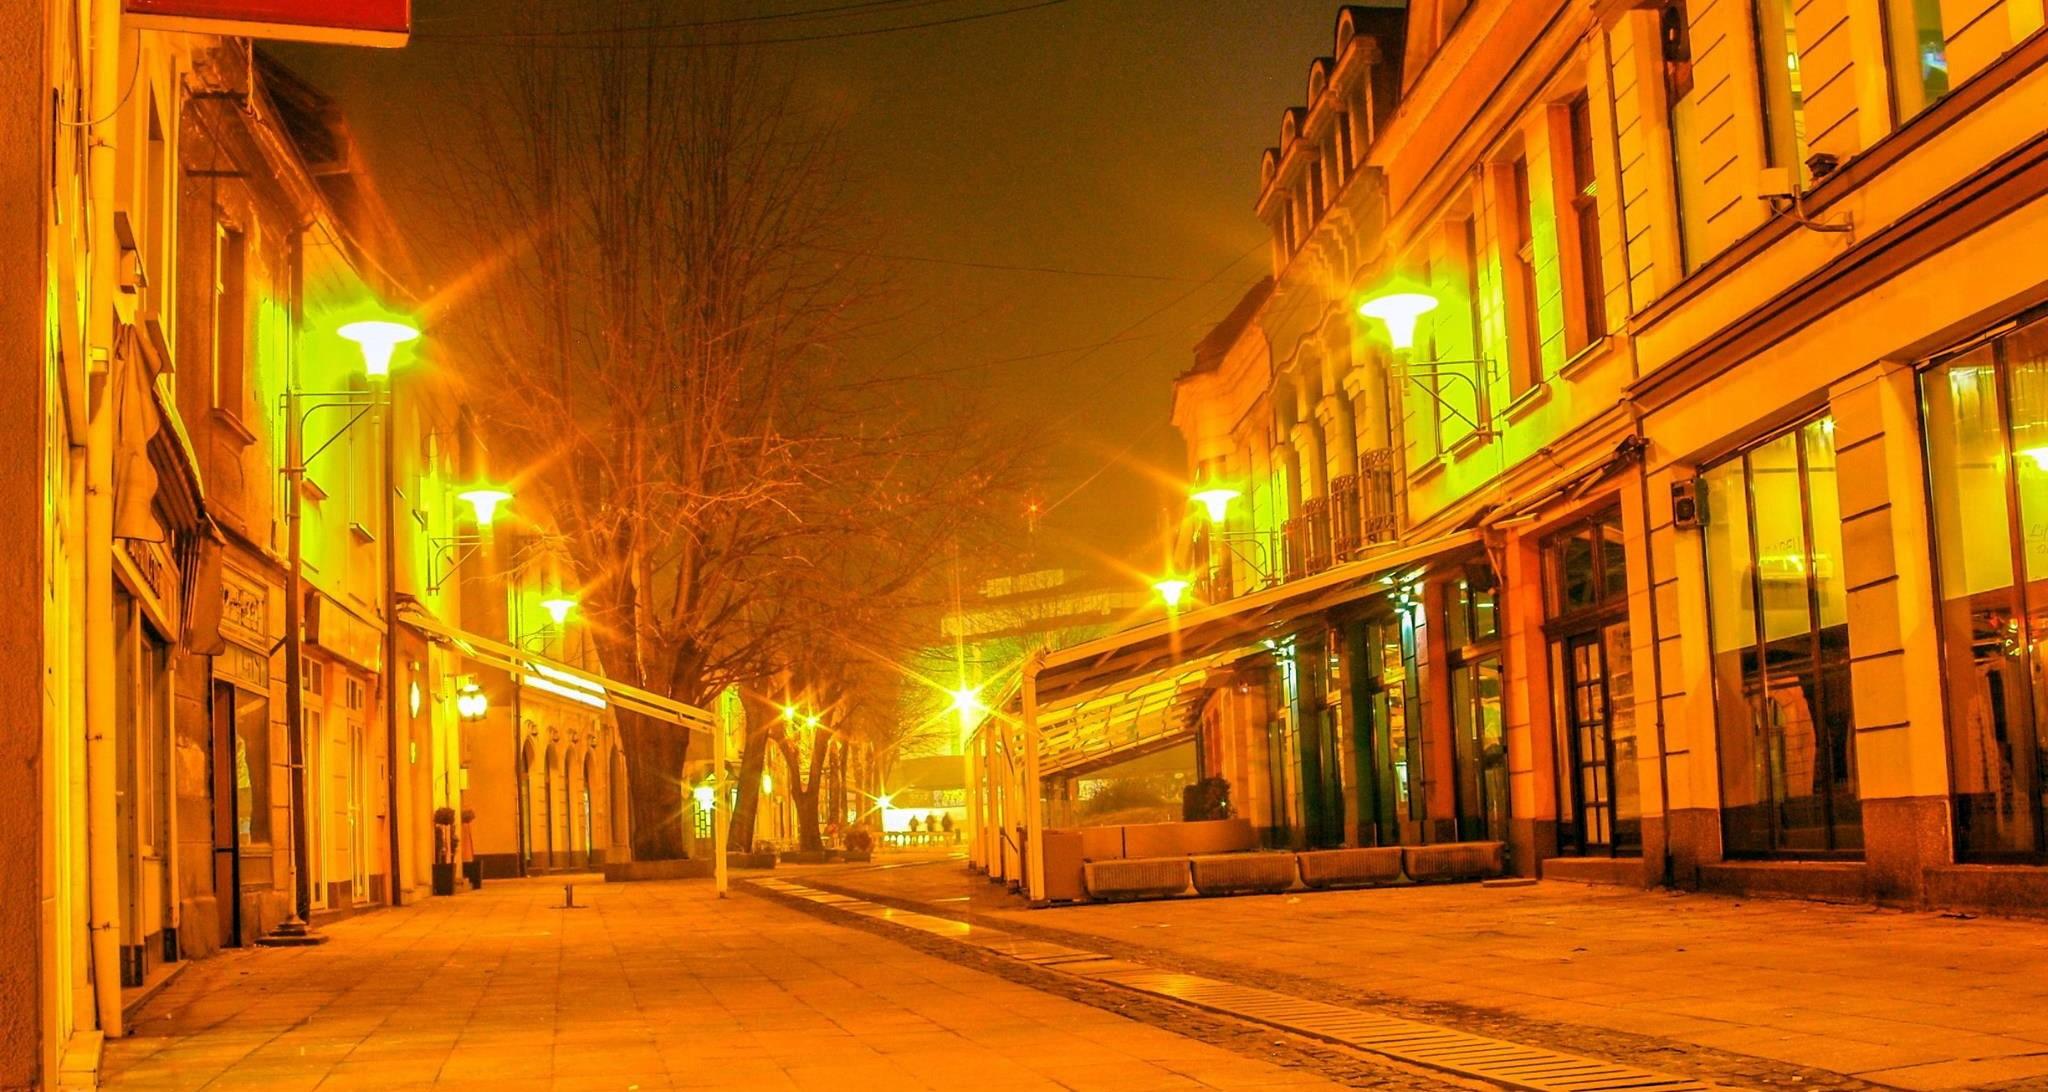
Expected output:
(1586, 591)
(252, 766)
(1919, 54)
(1389, 757)
(1986, 417)
(1479, 741)
(1782, 92)
(1780, 636)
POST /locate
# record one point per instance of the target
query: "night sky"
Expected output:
(1088, 137)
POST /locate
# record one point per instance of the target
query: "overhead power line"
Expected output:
(925, 259)
(562, 39)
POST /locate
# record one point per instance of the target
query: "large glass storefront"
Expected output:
(1780, 633)
(1986, 415)
(1600, 804)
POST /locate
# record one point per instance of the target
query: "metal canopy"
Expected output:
(526, 665)
(1085, 668)
(1150, 713)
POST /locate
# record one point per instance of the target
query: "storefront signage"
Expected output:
(354, 22)
(242, 665)
(151, 577)
(245, 608)
(330, 626)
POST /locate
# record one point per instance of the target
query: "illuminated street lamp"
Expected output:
(484, 502)
(1171, 591)
(377, 338)
(558, 608)
(1215, 500)
(1400, 308)
(471, 703)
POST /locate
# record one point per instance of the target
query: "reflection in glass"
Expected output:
(1781, 648)
(1986, 417)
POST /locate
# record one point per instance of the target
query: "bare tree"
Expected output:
(654, 308)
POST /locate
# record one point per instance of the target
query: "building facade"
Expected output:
(234, 526)
(1690, 529)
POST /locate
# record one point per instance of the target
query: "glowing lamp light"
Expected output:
(767, 783)
(1171, 591)
(484, 503)
(789, 713)
(2039, 455)
(558, 608)
(1400, 310)
(882, 801)
(471, 703)
(965, 702)
(377, 338)
(706, 796)
(1216, 501)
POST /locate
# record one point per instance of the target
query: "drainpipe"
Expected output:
(102, 853)
(393, 702)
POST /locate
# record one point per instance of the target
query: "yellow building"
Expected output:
(1687, 538)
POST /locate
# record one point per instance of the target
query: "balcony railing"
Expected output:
(1359, 513)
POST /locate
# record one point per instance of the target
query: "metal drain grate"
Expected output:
(1512, 1065)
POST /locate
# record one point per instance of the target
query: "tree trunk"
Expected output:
(656, 752)
(753, 757)
(808, 838)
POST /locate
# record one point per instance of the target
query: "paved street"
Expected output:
(652, 986)
(1756, 987)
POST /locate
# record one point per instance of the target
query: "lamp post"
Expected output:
(1399, 307)
(1215, 499)
(377, 340)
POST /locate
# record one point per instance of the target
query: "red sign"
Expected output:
(355, 22)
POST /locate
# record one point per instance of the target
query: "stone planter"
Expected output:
(1323, 868)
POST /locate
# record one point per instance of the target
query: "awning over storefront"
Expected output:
(1128, 721)
(558, 678)
(1075, 672)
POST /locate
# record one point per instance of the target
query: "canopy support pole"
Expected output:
(1034, 794)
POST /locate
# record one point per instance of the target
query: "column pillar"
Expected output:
(1901, 728)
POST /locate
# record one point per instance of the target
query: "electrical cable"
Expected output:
(729, 43)
(134, 70)
(834, 11)
(1002, 267)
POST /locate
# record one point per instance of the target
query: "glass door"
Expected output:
(1780, 634)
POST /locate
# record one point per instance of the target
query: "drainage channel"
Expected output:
(1510, 1065)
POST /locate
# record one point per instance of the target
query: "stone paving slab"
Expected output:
(654, 985)
(1808, 990)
